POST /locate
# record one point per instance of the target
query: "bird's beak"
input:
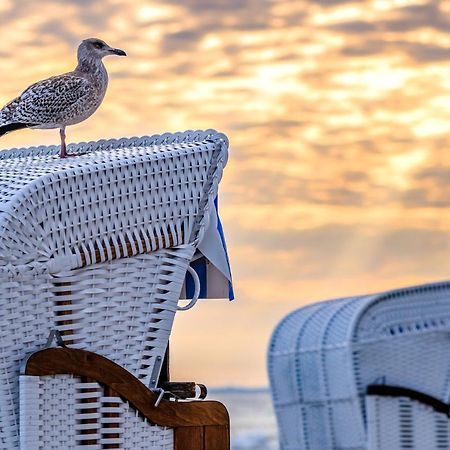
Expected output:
(118, 51)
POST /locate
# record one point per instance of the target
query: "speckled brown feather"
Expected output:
(58, 101)
(64, 99)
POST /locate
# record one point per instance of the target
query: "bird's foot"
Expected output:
(70, 155)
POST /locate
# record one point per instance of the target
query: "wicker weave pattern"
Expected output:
(399, 423)
(41, 421)
(322, 358)
(53, 208)
(123, 309)
(138, 435)
(98, 247)
(27, 314)
(90, 419)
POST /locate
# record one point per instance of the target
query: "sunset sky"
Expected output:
(338, 114)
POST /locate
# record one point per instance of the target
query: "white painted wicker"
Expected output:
(97, 246)
(399, 423)
(323, 357)
(43, 415)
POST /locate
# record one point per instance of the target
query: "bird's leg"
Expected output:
(63, 152)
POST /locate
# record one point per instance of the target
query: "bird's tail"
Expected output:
(7, 128)
(8, 122)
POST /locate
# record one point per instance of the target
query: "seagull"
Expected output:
(62, 100)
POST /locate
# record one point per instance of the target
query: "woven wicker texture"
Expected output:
(97, 247)
(90, 419)
(323, 357)
(124, 191)
(122, 309)
(399, 423)
(40, 421)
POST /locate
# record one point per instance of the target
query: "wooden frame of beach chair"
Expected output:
(197, 425)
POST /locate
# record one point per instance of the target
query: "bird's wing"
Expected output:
(52, 100)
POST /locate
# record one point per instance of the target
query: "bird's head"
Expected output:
(94, 48)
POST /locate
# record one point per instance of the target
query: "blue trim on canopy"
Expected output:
(200, 265)
(222, 238)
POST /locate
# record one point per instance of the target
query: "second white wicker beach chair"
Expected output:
(365, 373)
(97, 248)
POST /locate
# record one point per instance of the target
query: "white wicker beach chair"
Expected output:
(97, 247)
(369, 372)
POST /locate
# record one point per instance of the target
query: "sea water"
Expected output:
(253, 424)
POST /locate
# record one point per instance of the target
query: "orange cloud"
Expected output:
(337, 114)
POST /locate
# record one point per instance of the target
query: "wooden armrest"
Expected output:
(58, 361)
(197, 425)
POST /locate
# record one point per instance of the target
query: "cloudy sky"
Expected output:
(338, 113)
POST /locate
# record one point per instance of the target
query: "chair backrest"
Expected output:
(323, 358)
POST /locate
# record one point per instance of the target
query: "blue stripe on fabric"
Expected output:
(200, 266)
(224, 244)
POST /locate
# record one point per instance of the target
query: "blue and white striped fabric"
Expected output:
(211, 263)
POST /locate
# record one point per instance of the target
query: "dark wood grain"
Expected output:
(57, 361)
(213, 437)
(191, 438)
(217, 437)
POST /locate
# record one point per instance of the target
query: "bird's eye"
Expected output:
(98, 45)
